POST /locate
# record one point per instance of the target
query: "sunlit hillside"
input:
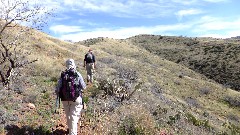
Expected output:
(136, 91)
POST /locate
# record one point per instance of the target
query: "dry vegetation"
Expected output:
(136, 92)
(218, 59)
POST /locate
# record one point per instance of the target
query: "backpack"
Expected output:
(70, 89)
(89, 57)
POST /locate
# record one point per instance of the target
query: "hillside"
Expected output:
(218, 59)
(137, 91)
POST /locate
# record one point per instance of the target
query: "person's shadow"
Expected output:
(28, 130)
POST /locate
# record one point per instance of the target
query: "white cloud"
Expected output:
(216, 1)
(122, 33)
(217, 27)
(188, 12)
(61, 29)
(234, 33)
(206, 26)
(132, 8)
(185, 2)
(208, 23)
(120, 8)
(214, 35)
(87, 22)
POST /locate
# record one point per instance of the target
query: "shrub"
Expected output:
(117, 88)
(204, 91)
(232, 101)
(30, 98)
(29, 130)
(159, 111)
(197, 122)
(94, 91)
(156, 88)
(54, 79)
(127, 74)
(231, 129)
(191, 101)
(85, 99)
(46, 95)
(107, 60)
(137, 123)
(129, 126)
(2, 116)
(173, 119)
(233, 117)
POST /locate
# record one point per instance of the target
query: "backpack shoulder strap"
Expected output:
(63, 73)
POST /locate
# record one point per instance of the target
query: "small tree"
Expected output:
(17, 20)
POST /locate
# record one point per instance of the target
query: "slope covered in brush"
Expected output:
(218, 59)
(169, 94)
(135, 92)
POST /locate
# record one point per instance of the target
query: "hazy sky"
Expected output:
(78, 20)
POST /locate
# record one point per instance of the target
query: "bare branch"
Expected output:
(2, 77)
(13, 36)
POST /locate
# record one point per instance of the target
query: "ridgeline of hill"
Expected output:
(218, 59)
(144, 85)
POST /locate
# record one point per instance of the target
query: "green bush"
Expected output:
(173, 119)
(28, 130)
(94, 91)
(85, 99)
(129, 126)
(231, 129)
(197, 122)
(46, 96)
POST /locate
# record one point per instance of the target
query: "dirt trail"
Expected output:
(61, 126)
(83, 124)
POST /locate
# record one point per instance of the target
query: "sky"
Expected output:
(78, 20)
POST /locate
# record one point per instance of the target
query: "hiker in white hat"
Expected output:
(69, 88)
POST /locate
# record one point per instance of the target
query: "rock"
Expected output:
(31, 106)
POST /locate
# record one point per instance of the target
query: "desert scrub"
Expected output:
(204, 91)
(129, 126)
(127, 74)
(173, 119)
(107, 60)
(117, 88)
(30, 98)
(192, 102)
(231, 129)
(93, 91)
(28, 130)
(159, 111)
(46, 95)
(232, 101)
(198, 122)
(136, 121)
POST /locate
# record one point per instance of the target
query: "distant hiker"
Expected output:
(89, 63)
(69, 88)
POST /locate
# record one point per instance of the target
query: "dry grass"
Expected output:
(178, 83)
(164, 83)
